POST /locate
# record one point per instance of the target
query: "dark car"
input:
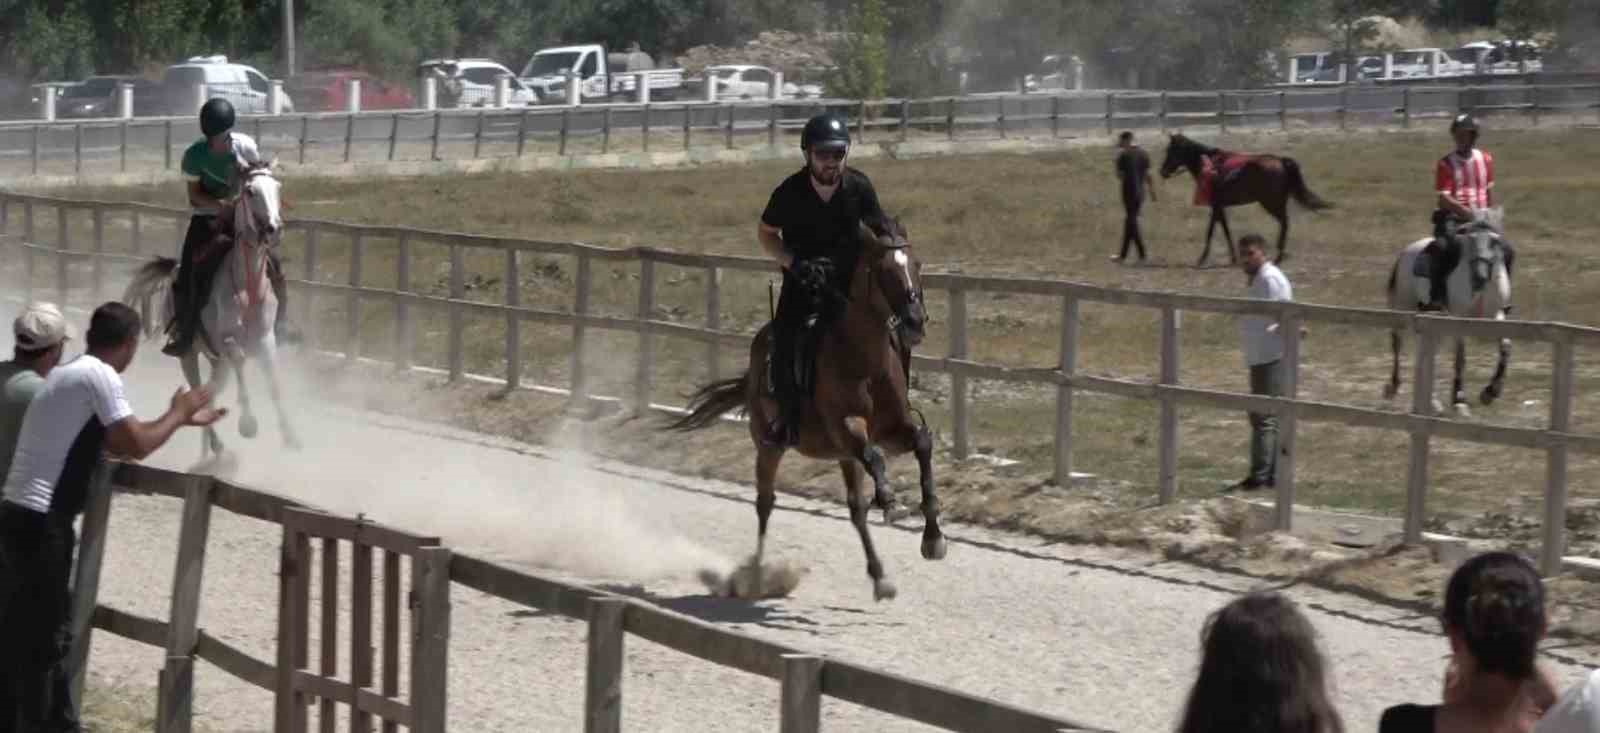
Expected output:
(96, 96)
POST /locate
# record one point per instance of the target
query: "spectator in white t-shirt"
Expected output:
(80, 412)
(1263, 354)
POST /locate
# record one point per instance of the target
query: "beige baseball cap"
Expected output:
(41, 326)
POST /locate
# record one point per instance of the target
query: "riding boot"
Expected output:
(776, 431)
(183, 325)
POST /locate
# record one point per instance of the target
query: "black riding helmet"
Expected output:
(1464, 121)
(216, 117)
(825, 131)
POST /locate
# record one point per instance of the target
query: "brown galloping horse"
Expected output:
(859, 411)
(1270, 180)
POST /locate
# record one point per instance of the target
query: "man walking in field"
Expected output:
(1133, 170)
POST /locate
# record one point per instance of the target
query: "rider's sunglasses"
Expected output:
(836, 154)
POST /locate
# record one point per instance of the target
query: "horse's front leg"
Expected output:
(1497, 382)
(1211, 227)
(267, 354)
(933, 544)
(209, 442)
(247, 417)
(858, 443)
(1458, 396)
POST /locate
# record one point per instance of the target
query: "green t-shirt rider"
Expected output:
(211, 169)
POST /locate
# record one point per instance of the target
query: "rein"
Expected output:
(249, 272)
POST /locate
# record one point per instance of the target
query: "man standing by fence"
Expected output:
(39, 336)
(1263, 353)
(1133, 170)
(80, 411)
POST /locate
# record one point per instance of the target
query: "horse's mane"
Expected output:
(1184, 141)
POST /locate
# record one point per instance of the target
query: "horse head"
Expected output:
(895, 271)
(1181, 153)
(261, 204)
(1481, 245)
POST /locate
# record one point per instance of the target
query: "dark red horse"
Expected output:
(1224, 178)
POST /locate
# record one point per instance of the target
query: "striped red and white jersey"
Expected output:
(1466, 178)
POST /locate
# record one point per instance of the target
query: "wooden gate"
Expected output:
(423, 709)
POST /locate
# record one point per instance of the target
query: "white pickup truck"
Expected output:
(603, 76)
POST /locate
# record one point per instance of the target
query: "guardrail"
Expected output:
(87, 147)
(1557, 439)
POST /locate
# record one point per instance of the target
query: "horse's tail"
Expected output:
(710, 402)
(150, 289)
(1298, 188)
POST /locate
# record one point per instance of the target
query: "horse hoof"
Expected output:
(1390, 390)
(883, 590)
(1488, 396)
(1438, 407)
(1462, 410)
(247, 426)
(933, 548)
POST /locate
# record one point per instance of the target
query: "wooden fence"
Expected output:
(1556, 439)
(418, 134)
(804, 677)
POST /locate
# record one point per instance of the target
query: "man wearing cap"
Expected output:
(80, 411)
(39, 335)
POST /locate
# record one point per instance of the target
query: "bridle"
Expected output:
(250, 269)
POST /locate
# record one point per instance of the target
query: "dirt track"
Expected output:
(1107, 637)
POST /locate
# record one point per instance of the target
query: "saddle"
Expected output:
(1216, 171)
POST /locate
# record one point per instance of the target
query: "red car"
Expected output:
(327, 90)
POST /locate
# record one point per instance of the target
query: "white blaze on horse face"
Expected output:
(904, 262)
(265, 190)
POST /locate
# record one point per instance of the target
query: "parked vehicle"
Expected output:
(748, 81)
(240, 84)
(327, 90)
(1423, 62)
(602, 76)
(465, 83)
(96, 96)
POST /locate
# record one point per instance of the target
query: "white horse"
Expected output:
(237, 319)
(1479, 286)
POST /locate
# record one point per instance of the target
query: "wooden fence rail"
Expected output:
(760, 122)
(1556, 439)
(804, 678)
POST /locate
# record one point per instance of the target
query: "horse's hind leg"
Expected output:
(268, 357)
(767, 461)
(1227, 235)
(1281, 213)
(1393, 387)
(1211, 227)
(209, 442)
(882, 587)
(247, 416)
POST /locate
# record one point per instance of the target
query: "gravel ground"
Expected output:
(1103, 636)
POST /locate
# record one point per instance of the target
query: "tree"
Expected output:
(862, 54)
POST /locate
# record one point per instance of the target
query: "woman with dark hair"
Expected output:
(1494, 616)
(1260, 672)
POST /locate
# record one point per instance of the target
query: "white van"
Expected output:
(240, 84)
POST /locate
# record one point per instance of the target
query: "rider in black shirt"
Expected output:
(810, 228)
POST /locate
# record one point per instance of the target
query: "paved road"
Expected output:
(1105, 636)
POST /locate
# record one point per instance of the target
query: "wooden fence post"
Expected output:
(1111, 111)
(177, 704)
(96, 267)
(732, 112)
(394, 134)
(522, 129)
(305, 134)
(566, 129)
(122, 147)
(86, 576)
(1222, 111)
(644, 126)
(714, 321)
(772, 125)
(801, 701)
(603, 693)
(35, 148)
(349, 135)
(1169, 405)
(1068, 367)
(958, 380)
(1405, 108)
(1162, 112)
(438, 118)
(294, 573)
(580, 329)
(1533, 103)
(63, 243)
(77, 149)
(458, 291)
(905, 119)
(352, 306)
(430, 639)
(1000, 119)
(1283, 111)
(605, 131)
(1289, 373)
(1055, 116)
(361, 628)
(688, 118)
(647, 339)
(402, 317)
(513, 282)
(391, 631)
(950, 118)
(1421, 405)
(1555, 493)
(477, 135)
(1344, 108)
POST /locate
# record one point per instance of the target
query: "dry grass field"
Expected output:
(1046, 215)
